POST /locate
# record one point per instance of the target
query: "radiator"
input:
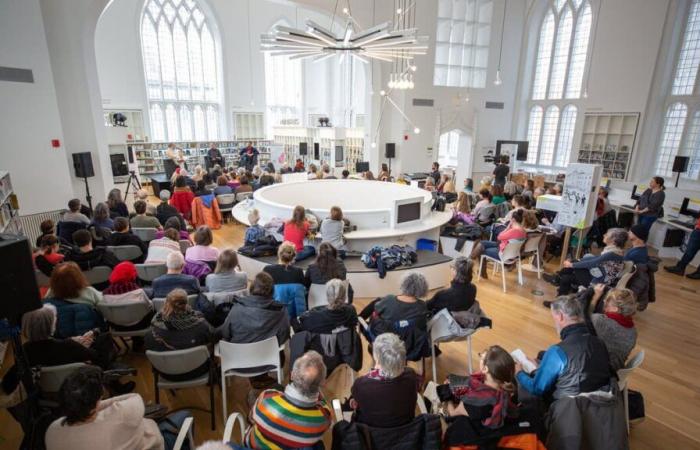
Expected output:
(31, 223)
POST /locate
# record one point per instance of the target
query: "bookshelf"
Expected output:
(249, 125)
(149, 155)
(608, 139)
(9, 206)
(351, 139)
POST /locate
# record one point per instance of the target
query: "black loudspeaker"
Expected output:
(680, 164)
(317, 151)
(303, 149)
(390, 151)
(20, 292)
(130, 153)
(82, 163)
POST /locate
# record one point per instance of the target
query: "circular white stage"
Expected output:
(384, 213)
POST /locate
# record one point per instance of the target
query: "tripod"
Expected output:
(133, 181)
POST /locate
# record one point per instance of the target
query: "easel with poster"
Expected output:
(578, 201)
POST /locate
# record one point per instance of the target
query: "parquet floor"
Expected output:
(668, 331)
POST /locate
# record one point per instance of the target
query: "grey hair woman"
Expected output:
(389, 353)
(616, 237)
(40, 324)
(335, 293)
(461, 294)
(407, 305)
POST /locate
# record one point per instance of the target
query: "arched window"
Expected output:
(680, 135)
(448, 149)
(182, 64)
(283, 89)
(560, 60)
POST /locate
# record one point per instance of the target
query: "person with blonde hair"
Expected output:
(254, 230)
(227, 276)
(615, 326)
(284, 271)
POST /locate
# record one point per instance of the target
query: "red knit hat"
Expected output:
(123, 272)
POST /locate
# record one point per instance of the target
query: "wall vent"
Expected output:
(16, 75)
(494, 105)
(423, 102)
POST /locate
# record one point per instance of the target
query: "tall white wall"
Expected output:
(29, 115)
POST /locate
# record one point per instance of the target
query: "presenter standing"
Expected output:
(500, 173)
(174, 158)
(651, 202)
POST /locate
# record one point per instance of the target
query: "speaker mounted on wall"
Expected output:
(317, 151)
(303, 148)
(82, 163)
(390, 150)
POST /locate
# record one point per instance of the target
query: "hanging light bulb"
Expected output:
(498, 81)
(382, 92)
(414, 68)
(346, 11)
(373, 145)
(399, 10)
(416, 130)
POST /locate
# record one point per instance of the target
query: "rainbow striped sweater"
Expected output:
(287, 420)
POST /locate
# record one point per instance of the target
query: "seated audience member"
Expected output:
(210, 180)
(447, 185)
(325, 319)
(117, 422)
(73, 214)
(198, 174)
(510, 189)
(461, 211)
(297, 417)
(518, 202)
(514, 231)
(299, 166)
(326, 169)
(384, 173)
(528, 189)
(222, 186)
(174, 223)
(256, 317)
(468, 185)
(430, 185)
(486, 182)
(576, 365)
(201, 189)
(389, 380)
(435, 172)
(604, 268)
(557, 189)
(484, 397)
(48, 228)
(182, 197)
(122, 236)
(326, 267)
(117, 207)
(615, 326)
(345, 174)
(638, 236)
(254, 231)
(485, 200)
(86, 256)
(227, 276)
(332, 230)
(141, 219)
(312, 172)
(369, 176)
(68, 283)
(165, 210)
(178, 327)
(691, 249)
(142, 196)
(408, 305)
(497, 195)
(202, 249)
(295, 231)
(245, 186)
(461, 294)
(205, 210)
(48, 256)
(160, 248)
(175, 279)
(284, 272)
(124, 289)
(602, 206)
(100, 217)
(530, 223)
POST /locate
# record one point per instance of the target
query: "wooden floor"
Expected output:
(669, 379)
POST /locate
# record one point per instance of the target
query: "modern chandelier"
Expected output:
(380, 42)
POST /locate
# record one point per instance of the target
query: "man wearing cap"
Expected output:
(691, 249)
(638, 236)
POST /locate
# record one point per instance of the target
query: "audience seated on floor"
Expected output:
(142, 219)
(202, 249)
(615, 325)
(101, 218)
(297, 417)
(117, 423)
(122, 236)
(73, 214)
(117, 207)
(326, 267)
(174, 278)
(389, 380)
(227, 276)
(296, 230)
(254, 231)
(48, 254)
(580, 363)
(325, 319)
(177, 327)
(160, 248)
(88, 257)
(68, 283)
(461, 294)
(331, 229)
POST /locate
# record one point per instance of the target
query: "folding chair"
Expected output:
(509, 255)
(439, 330)
(531, 247)
(125, 314)
(226, 203)
(149, 272)
(126, 252)
(98, 275)
(623, 375)
(146, 234)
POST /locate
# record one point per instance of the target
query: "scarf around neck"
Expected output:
(177, 321)
(613, 249)
(623, 321)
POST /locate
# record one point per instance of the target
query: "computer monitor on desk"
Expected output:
(690, 208)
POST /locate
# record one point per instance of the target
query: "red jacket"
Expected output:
(182, 201)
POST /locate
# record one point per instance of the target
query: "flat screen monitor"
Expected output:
(339, 153)
(362, 166)
(690, 207)
(408, 212)
(517, 149)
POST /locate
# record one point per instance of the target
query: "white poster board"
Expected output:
(579, 195)
(277, 155)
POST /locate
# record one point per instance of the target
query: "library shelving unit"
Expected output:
(249, 125)
(9, 207)
(351, 139)
(608, 139)
(149, 155)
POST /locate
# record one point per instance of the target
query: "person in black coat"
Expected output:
(326, 267)
(122, 236)
(87, 257)
(325, 319)
(461, 294)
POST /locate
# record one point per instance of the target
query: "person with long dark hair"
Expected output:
(651, 202)
(326, 267)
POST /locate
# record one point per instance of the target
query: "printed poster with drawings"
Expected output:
(579, 195)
